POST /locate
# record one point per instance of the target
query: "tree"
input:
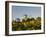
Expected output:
(25, 15)
(38, 18)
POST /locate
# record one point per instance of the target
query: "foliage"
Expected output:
(29, 24)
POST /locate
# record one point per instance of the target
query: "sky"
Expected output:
(19, 11)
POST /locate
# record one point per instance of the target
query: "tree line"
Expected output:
(26, 24)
